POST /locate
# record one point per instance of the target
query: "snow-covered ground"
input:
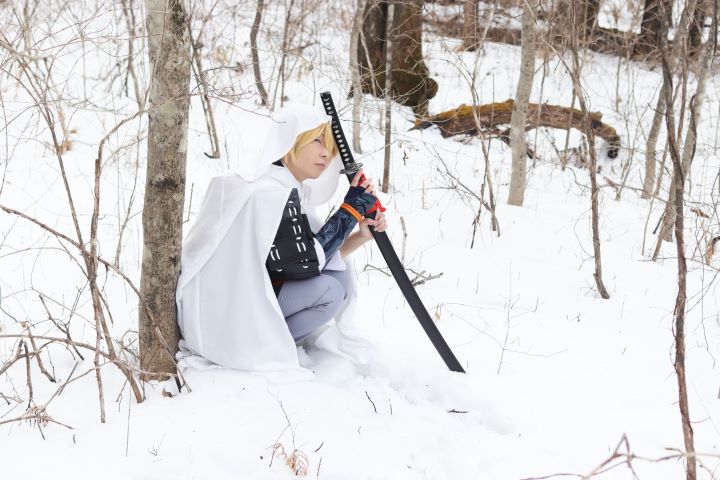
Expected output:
(555, 374)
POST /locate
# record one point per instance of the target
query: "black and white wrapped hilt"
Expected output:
(350, 167)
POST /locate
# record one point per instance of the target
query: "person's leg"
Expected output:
(341, 276)
(310, 303)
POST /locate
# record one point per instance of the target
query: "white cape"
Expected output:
(227, 310)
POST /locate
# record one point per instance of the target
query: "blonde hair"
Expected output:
(323, 132)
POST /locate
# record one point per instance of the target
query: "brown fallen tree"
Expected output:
(611, 41)
(461, 121)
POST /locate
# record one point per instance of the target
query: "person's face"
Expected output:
(311, 160)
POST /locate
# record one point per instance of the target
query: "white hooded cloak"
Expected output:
(227, 310)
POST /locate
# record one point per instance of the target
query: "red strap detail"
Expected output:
(377, 205)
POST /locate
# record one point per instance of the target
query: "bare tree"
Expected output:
(590, 13)
(579, 92)
(355, 73)
(412, 85)
(682, 163)
(651, 22)
(129, 14)
(651, 147)
(170, 56)
(33, 71)
(678, 184)
(520, 106)
(388, 98)
(201, 80)
(696, 101)
(253, 50)
(470, 24)
(484, 142)
(698, 24)
(678, 58)
(681, 168)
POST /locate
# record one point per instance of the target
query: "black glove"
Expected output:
(358, 199)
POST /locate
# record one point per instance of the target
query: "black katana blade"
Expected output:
(388, 251)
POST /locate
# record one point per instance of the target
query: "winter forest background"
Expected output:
(551, 173)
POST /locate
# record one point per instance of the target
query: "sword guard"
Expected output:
(351, 169)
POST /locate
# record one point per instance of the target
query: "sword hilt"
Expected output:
(350, 167)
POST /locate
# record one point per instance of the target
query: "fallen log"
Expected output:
(610, 41)
(461, 121)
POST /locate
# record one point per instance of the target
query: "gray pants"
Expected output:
(310, 303)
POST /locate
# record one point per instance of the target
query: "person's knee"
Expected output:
(334, 293)
(342, 278)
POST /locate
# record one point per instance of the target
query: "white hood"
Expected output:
(286, 125)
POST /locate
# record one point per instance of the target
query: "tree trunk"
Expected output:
(696, 102)
(518, 120)
(678, 54)
(651, 23)
(285, 45)
(470, 24)
(651, 146)
(412, 85)
(590, 14)
(389, 44)
(355, 73)
(254, 53)
(595, 191)
(698, 25)
(169, 48)
(678, 186)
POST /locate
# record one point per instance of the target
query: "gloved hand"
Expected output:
(360, 200)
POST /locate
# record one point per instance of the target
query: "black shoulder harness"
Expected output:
(292, 255)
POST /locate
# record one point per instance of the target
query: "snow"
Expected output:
(556, 375)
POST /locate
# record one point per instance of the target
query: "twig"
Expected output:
(39, 416)
(465, 188)
(626, 458)
(62, 387)
(405, 235)
(38, 358)
(7, 400)
(201, 80)
(64, 329)
(373, 403)
(11, 362)
(424, 278)
(373, 267)
(29, 379)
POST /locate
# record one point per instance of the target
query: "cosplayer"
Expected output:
(260, 271)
